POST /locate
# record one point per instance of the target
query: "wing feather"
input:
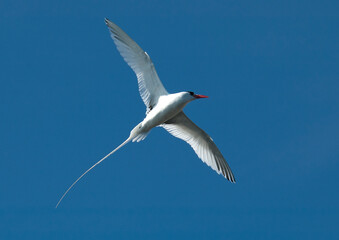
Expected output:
(182, 127)
(150, 86)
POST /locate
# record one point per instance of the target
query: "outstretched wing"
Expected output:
(150, 86)
(182, 127)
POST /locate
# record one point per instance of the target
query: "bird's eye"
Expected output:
(192, 93)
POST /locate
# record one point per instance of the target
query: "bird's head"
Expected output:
(194, 96)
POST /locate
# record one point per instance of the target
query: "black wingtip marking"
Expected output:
(107, 21)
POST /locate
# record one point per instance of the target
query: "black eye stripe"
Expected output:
(192, 93)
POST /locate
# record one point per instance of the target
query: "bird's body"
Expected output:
(167, 107)
(163, 109)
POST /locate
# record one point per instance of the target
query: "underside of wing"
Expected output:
(182, 127)
(150, 86)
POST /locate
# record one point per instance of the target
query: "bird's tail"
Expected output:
(139, 133)
(120, 146)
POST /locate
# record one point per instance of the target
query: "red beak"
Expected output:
(200, 96)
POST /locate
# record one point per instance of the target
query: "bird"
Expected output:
(162, 108)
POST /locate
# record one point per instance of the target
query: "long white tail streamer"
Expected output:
(120, 146)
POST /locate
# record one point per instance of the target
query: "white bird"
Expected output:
(163, 109)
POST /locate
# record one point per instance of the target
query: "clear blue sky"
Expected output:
(67, 98)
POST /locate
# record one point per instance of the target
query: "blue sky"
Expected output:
(68, 98)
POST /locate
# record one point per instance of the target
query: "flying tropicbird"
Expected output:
(163, 109)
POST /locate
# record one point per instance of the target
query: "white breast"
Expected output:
(167, 107)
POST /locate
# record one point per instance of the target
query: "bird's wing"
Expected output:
(182, 127)
(150, 86)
